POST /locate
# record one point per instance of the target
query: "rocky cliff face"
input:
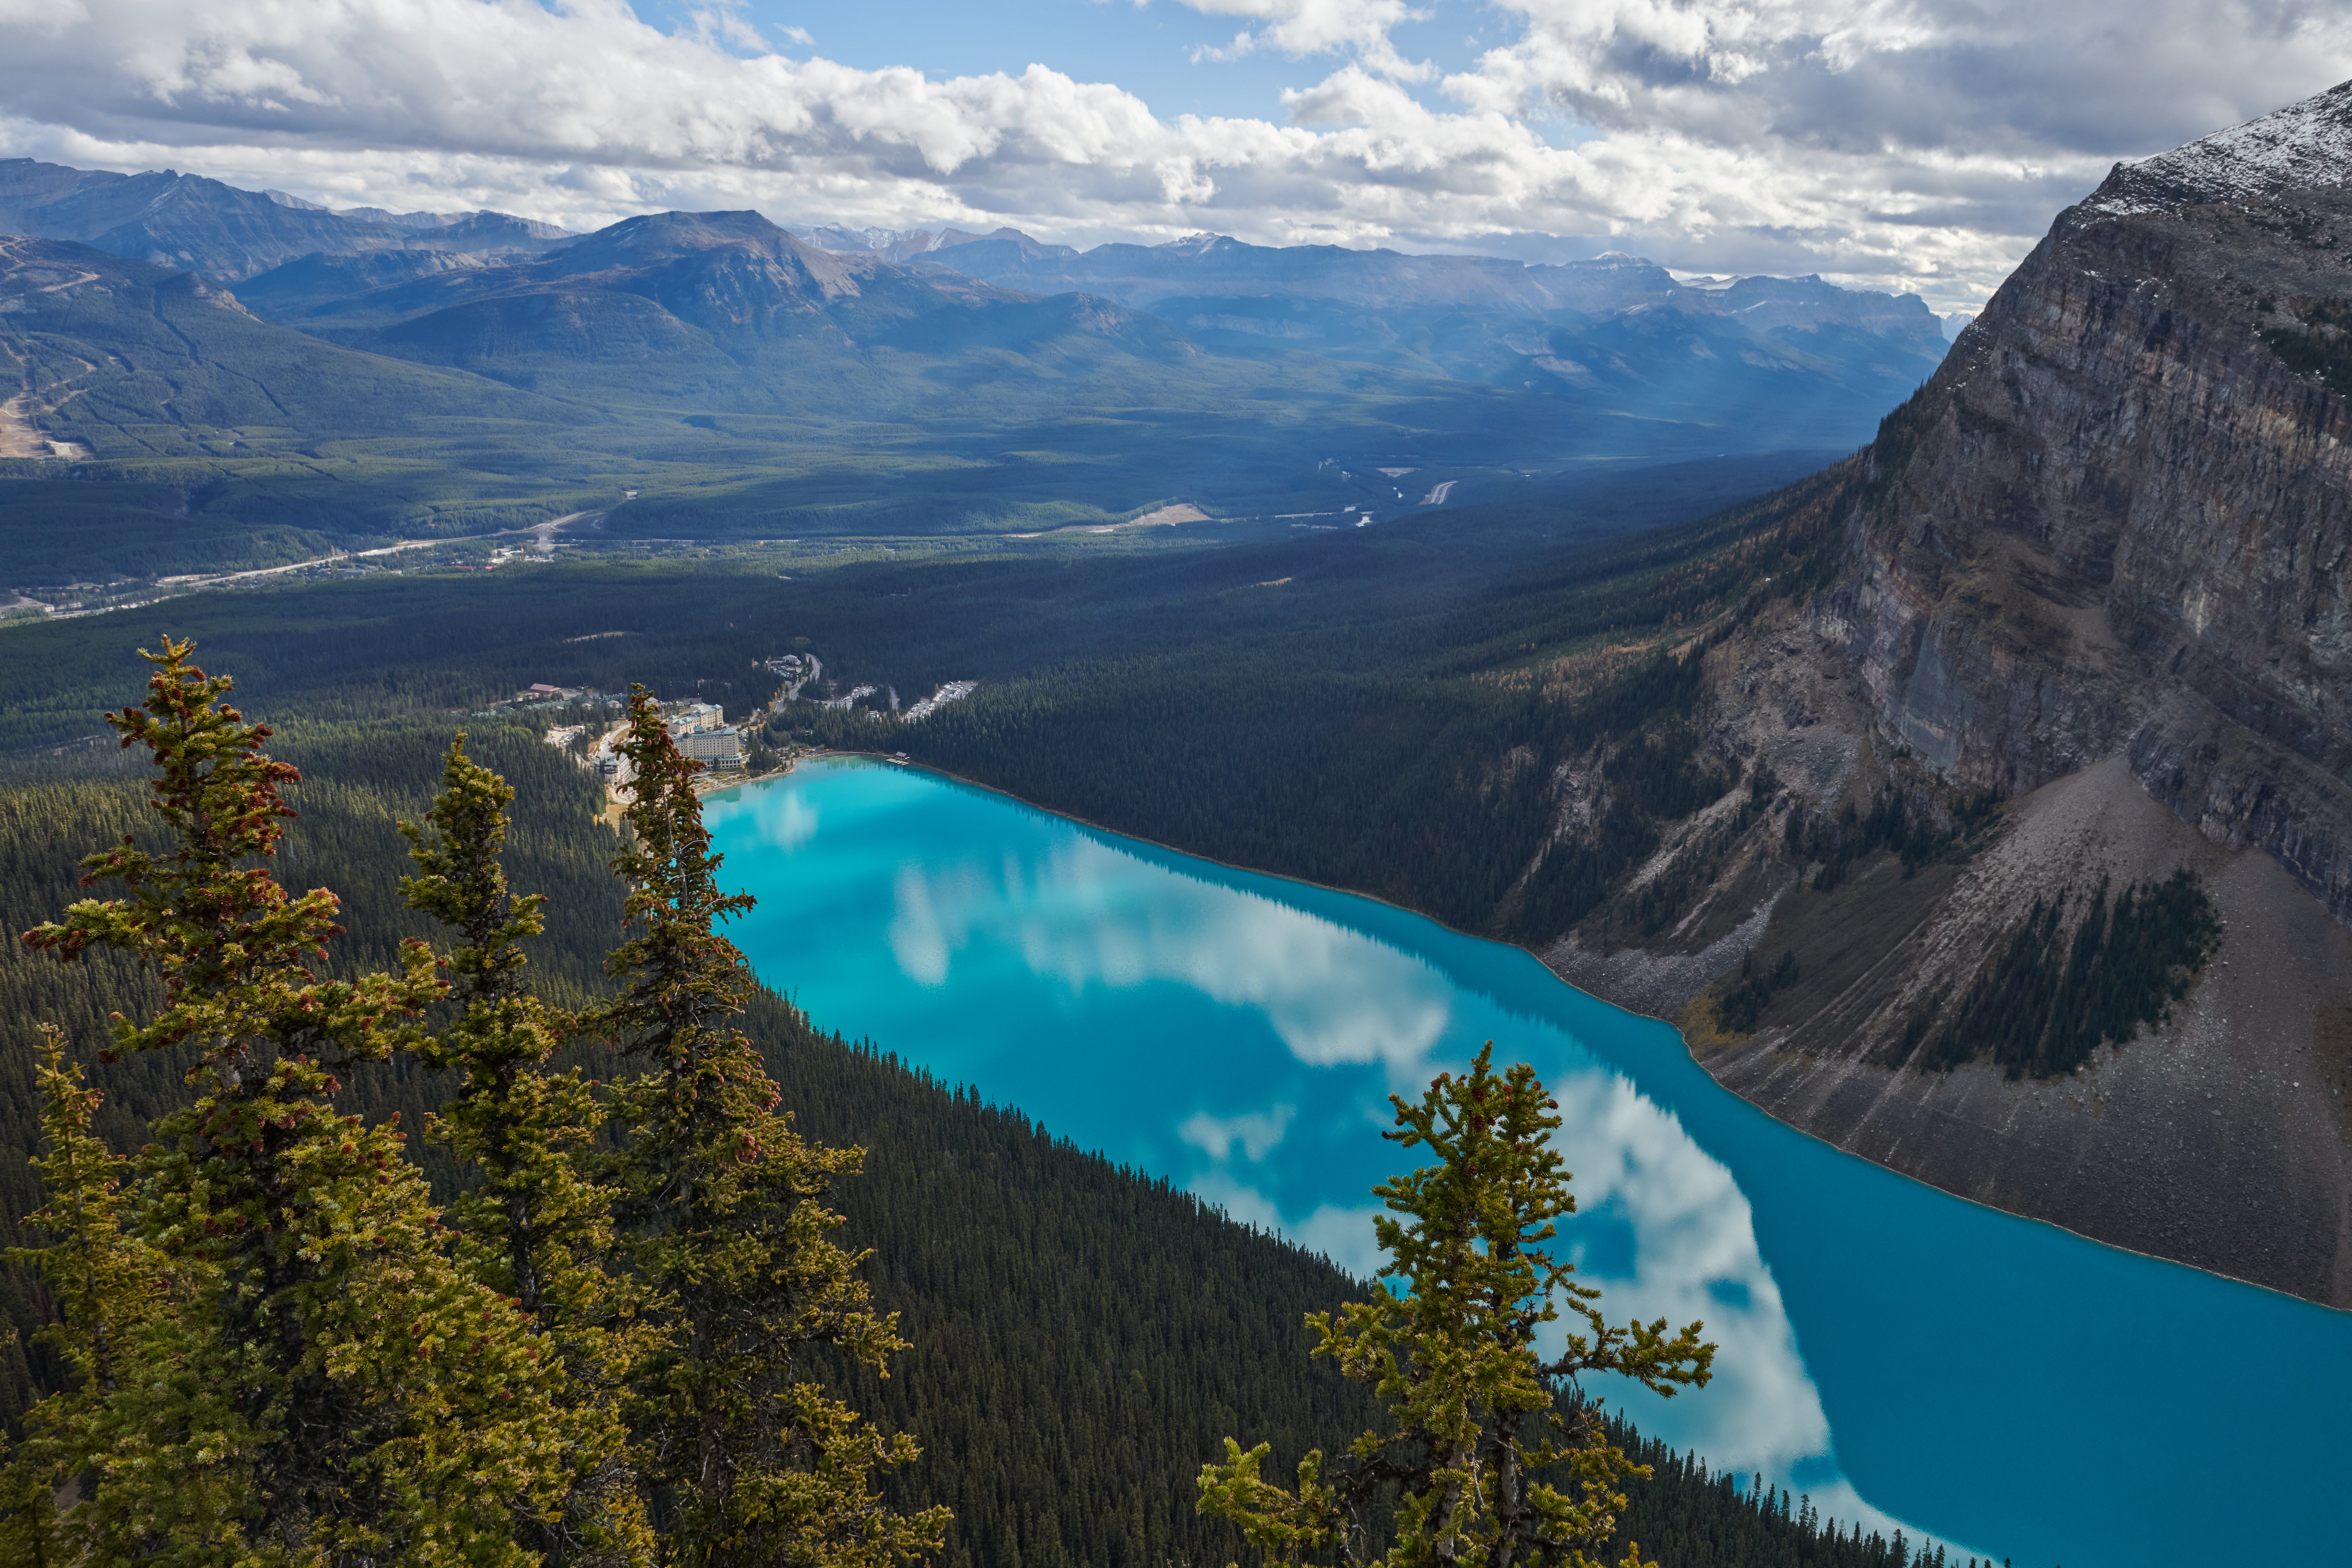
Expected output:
(2101, 568)
(2117, 521)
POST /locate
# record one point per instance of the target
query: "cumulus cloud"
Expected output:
(1357, 27)
(1255, 1132)
(1081, 917)
(1888, 143)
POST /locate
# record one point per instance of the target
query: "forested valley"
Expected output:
(1059, 1424)
(1381, 710)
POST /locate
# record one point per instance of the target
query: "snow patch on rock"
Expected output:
(2303, 146)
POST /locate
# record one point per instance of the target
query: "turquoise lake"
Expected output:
(1900, 1355)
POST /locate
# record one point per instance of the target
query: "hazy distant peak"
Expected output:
(889, 244)
(839, 236)
(719, 268)
(195, 224)
(1811, 301)
(2303, 146)
(653, 236)
(1022, 243)
(1001, 249)
(1762, 286)
(378, 214)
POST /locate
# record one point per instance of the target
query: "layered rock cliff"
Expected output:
(2096, 571)
(2117, 521)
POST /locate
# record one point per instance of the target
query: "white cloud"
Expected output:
(1343, 1235)
(1087, 915)
(1356, 27)
(1694, 1255)
(1256, 1132)
(791, 825)
(1890, 142)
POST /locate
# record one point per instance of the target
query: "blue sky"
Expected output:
(1913, 145)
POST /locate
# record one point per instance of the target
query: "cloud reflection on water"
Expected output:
(1661, 1222)
(1086, 914)
(1256, 1132)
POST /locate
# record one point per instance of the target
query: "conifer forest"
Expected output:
(1234, 783)
(484, 1209)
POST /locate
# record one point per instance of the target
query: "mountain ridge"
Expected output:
(1616, 325)
(1213, 264)
(2092, 569)
(2305, 145)
(199, 225)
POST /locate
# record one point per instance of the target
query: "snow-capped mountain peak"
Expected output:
(2301, 147)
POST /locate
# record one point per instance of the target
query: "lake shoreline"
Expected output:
(1238, 1034)
(886, 759)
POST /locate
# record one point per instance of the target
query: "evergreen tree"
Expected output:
(534, 1227)
(103, 1286)
(1478, 1414)
(103, 1281)
(753, 1462)
(322, 1385)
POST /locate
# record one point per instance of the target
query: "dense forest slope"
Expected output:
(1082, 1336)
(2092, 570)
(150, 425)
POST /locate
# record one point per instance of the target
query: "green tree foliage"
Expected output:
(753, 1462)
(533, 1227)
(104, 1283)
(104, 1279)
(1920, 831)
(1744, 1004)
(324, 1387)
(1693, 1518)
(2318, 347)
(2050, 1000)
(1080, 1333)
(1475, 1410)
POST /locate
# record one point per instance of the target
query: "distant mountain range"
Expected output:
(201, 437)
(138, 361)
(196, 225)
(1763, 363)
(1469, 318)
(725, 302)
(744, 379)
(1617, 330)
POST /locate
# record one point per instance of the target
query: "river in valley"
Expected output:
(1900, 1355)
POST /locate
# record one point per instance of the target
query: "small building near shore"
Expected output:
(722, 746)
(688, 717)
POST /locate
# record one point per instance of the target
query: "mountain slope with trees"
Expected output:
(709, 375)
(1190, 1327)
